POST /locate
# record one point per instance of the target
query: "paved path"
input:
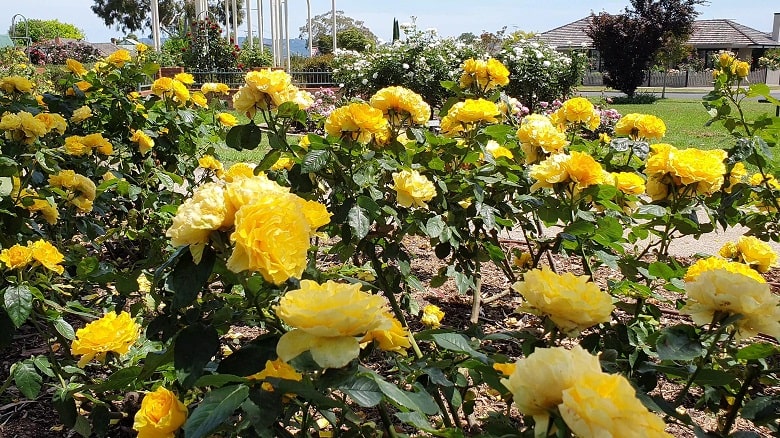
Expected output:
(691, 93)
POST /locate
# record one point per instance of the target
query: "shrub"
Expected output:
(52, 53)
(640, 98)
(206, 49)
(255, 57)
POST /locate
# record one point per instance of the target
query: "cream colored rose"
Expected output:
(207, 210)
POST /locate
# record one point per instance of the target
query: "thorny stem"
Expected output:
(753, 371)
(386, 420)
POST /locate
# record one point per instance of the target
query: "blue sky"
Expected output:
(449, 17)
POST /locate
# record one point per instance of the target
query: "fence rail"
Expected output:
(676, 79)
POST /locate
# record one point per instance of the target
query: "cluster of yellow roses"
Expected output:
(591, 402)
(26, 128)
(39, 252)
(671, 170)
(465, 116)
(267, 89)
(78, 145)
(485, 75)
(80, 190)
(727, 64)
(271, 226)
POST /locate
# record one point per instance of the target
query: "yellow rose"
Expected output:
(111, 333)
(735, 175)
(74, 145)
(184, 78)
(227, 119)
(160, 416)
(96, 141)
(180, 92)
(145, 143)
(239, 171)
(199, 99)
(358, 121)
(578, 110)
(432, 316)
(248, 100)
(604, 138)
(600, 404)
(316, 214)
(278, 369)
(23, 127)
(741, 69)
(496, 150)
(538, 381)
(119, 58)
(207, 210)
(537, 132)
(400, 105)
(16, 257)
(629, 182)
(11, 84)
(327, 320)
(395, 338)
(81, 114)
(141, 48)
(53, 122)
(47, 255)
(755, 253)
(572, 302)
(39, 204)
(412, 189)
(641, 126)
(214, 87)
(722, 291)
(485, 75)
(209, 162)
(584, 170)
(551, 171)
(304, 142)
(704, 168)
(468, 114)
(714, 263)
(162, 87)
(725, 59)
(271, 236)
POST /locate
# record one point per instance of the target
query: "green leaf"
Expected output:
(357, 218)
(434, 227)
(100, 419)
(193, 348)
(399, 397)
(761, 410)
(760, 350)
(268, 160)
(215, 408)
(251, 358)
(26, 379)
(709, 377)
(368, 204)
(164, 179)
(363, 390)
(678, 343)
(65, 329)
(153, 361)
(244, 136)
(119, 380)
(218, 380)
(650, 210)
(458, 343)
(580, 228)
(66, 407)
(314, 161)
(188, 279)
(18, 303)
(661, 270)
(6, 186)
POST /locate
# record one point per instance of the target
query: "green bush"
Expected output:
(255, 57)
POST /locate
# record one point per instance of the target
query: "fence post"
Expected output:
(686, 77)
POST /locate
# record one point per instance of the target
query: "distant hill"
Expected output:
(297, 45)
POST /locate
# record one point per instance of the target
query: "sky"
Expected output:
(448, 17)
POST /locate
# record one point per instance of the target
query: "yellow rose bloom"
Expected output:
(238, 171)
(358, 121)
(412, 189)
(304, 142)
(23, 127)
(496, 150)
(42, 205)
(578, 110)
(725, 59)
(245, 190)
(604, 138)
(184, 78)
(721, 291)
(180, 92)
(111, 333)
(209, 162)
(81, 114)
(432, 316)
(395, 338)
(47, 255)
(278, 369)
(214, 87)
(16, 257)
(316, 214)
(53, 122)
(506, 369)
(628, 182)
(536, 133)
(74, 145)
(741, 69)
(758, 179)
(538, 381)
(15, 84)
(467, 114)
(82, 86)
(605, 405)
(704, 168)
(751, 251)
(584, 170)
(714, 263)
(145, 143)
(227, 119)
(119, 58)
(141, 48)
(327, 320)
(271, 236)
(199, 99)
(572, 302)
(551, 171)
(399, 105)
(248, 100)
(96, 141)
(485, 75)
(641, 126)
(162, 87)
(160, 416)
(207, 210)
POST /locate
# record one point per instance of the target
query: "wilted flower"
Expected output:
(111, 333)
(328, 320)
(160, 416)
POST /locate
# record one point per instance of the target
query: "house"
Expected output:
(708, 38)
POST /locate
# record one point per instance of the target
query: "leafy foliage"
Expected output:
(42, 30)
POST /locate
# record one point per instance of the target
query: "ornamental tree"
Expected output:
(133, 15)
(322, 26)
(42, 30)
(629, 42)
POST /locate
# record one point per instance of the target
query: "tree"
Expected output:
(42, 30)
(629, 42)
(322, 25)
(350, 39)
(134, 15)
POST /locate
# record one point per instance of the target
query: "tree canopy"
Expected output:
(134, 15)
(322, 25)
(629, 42)
(42, 30)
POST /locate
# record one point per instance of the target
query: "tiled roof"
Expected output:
(727, 33)
(706, 33)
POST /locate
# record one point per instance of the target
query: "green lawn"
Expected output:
(685, 122)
